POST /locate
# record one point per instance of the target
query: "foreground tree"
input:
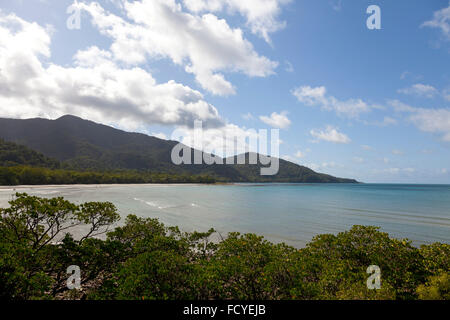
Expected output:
(144, 259)
(30, 229)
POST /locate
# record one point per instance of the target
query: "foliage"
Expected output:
(84, 146)
(12, 154)
(29, 229)
(144, 259)
(37, 176)
(437, 288)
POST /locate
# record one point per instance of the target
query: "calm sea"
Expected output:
(291, 213)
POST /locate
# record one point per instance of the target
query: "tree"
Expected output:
(29, 229)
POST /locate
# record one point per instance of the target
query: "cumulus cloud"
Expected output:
(330, 134)
(204, 45)
(99, 87)
(441, 20)
(428, 120)
(316, 96)
(277, 120)
(261, 15)
(421, 90)
(95, 87)
(434, 121)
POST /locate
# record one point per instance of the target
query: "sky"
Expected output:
(369, 104)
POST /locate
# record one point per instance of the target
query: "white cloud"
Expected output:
(401, 107)
(95, 87)
(91, 57)
(330, 134)
(100, 89)
(388, 121)
(316, 96)
(441, 20)
(159, 135)
(324, 166)
(288, 158)
(310, 96)
(299, 154)
(220, 141)
(204, 45)
(397, 152)
(428, 120)
(421, 90)
(313, 166)
(261, 15)
(410, 75)
(434, 121)
(366, 147)
(358, 159)
(399, 170)
(277, 120)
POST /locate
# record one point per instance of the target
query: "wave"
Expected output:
(160, 206)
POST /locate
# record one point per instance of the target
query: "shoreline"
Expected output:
(253, 184)
(105, 185)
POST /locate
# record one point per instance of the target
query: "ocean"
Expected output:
(290, 213)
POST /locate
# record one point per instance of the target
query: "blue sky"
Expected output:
(367, 104)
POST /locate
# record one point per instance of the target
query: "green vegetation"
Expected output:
(12, 154)
(23, 175)
(82, 145)
(143, 259)
(21, 165)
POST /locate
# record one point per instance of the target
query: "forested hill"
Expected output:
(85, 145)
(12, 154)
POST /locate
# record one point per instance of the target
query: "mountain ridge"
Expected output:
(86, 145)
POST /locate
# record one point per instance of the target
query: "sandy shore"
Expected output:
(107, 185)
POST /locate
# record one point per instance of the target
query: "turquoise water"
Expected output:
(291, 213)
